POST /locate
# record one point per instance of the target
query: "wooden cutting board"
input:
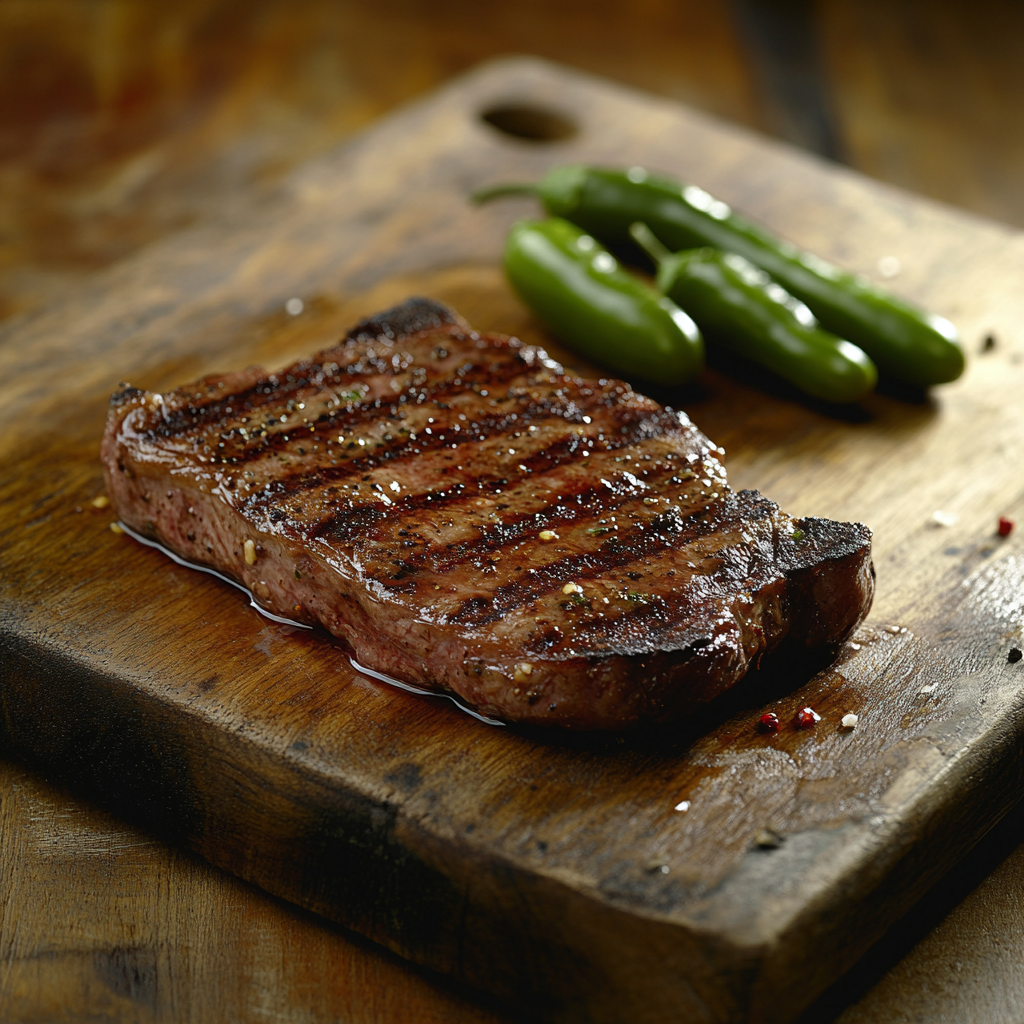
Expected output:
(553, 871)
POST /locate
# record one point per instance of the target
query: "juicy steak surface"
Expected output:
(471, 519)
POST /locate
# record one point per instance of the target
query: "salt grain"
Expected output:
(889, 266)
(941, 518)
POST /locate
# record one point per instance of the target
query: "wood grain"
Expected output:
(103, 922)
(967, 967)
(529, 866)
(902, 80)
(124, 121)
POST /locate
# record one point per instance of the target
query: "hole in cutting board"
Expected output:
(529, 121)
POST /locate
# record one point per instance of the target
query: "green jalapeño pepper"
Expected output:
(578, 289)
(743, 309)
(904, 341)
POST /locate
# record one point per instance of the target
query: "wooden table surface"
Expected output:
(122, 121)
(100, 921)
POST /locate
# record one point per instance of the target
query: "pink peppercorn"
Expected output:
(806, 718)
(1005, 526)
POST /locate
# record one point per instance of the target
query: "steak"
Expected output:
(471, 519)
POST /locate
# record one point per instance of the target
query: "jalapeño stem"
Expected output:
(649, 242)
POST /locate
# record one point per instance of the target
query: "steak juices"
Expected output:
(469, 518)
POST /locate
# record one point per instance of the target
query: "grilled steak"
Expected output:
(471, 519)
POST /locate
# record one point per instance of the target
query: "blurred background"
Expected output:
(123, 120)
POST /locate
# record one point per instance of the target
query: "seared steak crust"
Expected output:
(471, 519)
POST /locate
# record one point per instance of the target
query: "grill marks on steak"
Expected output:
(468, 517)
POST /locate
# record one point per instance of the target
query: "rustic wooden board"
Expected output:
(534, 867)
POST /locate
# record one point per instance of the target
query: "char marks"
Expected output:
(672, 529)
(351, 398)
(414, 315)
(349, 372)
(576, 509)
(481, 482)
